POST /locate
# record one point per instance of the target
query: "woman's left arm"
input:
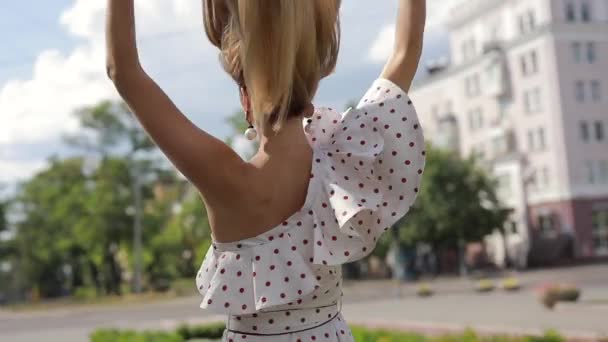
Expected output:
(206, 161)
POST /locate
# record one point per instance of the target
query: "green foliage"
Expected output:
(360, 334)
(457, 203)
(364, 335)
(211, 331)
(75, 230)
(85, 293)
(106, 126)
(132, 336)
(184, 333)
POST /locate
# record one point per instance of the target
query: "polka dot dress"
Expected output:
(285, 284)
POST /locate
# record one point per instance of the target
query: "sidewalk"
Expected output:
(592, 275)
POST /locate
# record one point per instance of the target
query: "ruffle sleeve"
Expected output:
(372, 160)
(367, 168)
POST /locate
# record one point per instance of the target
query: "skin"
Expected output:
(277, 176)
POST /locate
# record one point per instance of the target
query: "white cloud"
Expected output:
(383, 45)
(12, 170)
(40, 109)
(437, 11)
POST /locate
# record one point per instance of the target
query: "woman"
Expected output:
(323, 185)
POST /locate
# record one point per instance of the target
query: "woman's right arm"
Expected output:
(208, 163)
(409, 31)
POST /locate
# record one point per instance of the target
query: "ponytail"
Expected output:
(278, 49)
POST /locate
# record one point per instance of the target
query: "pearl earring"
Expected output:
(251, 133)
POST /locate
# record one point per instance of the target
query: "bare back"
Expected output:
(274, 186)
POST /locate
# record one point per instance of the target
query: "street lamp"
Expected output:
(135, 173)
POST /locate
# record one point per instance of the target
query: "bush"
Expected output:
(484, 285)
(85, 293)
(554, 293)
(211, 331)
(132, 336)
(364, 335)
(360, 334)
(511, 284)
(424, 290)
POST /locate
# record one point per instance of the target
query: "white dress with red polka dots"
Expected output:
(285, 284)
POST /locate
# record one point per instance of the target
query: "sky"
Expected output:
(53, 63)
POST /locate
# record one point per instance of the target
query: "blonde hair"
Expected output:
(278, 49)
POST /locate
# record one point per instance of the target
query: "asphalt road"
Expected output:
(379, 303)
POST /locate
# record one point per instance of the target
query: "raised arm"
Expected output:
(206, 161)
(409, 30)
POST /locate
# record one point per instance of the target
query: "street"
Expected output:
(377, 303)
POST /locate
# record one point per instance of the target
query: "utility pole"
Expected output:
(137, 226)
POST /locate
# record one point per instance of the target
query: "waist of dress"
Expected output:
(283, 322)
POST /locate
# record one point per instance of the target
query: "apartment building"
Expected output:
(527, 91)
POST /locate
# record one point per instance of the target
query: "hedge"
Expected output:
(213, 332)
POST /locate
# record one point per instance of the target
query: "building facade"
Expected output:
(527, 91)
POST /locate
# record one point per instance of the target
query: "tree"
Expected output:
(107, 127)
(72, 225)
(457, 204)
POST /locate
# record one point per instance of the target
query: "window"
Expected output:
(596, 172)
(580, 91)
(531, 20)
(468, 49)
(526, 22)
(532, 103)
(533, 62)
(475, 119)
(599, 130)
(570, 12)
(542, 143)
(546, 224)
(511, 227)
(577, 51)
(521, 24)
(545, 176)
(533, 180)
(472, 86)
(504, 185)
(590, 171)
(537, 140)
(584, 131)
(590, 52)
(531, 141)
(599, 234)
(585, 11)
(523, 65)
(603, 171)
(528, 63)
(596, 91)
